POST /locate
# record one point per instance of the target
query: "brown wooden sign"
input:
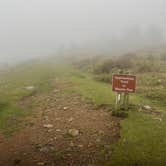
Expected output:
(123, 83)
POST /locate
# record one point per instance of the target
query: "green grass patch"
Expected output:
(92, 90)
(10, 119)
(142, 142)
(142, 135)
(13, 88)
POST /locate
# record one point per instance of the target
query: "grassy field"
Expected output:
(13, 85)
(143, 136)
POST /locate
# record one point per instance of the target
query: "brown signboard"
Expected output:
(123, 83)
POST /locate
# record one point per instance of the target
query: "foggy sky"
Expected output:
(30, 28)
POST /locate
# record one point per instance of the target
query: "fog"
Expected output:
(33, 28)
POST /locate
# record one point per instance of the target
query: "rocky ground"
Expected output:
(64, 130)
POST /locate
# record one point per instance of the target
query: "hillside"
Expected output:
(54, 112)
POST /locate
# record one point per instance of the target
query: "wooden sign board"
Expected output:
(123, 83)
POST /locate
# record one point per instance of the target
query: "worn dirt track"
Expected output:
(45, 139)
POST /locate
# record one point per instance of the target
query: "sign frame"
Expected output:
(124, 83)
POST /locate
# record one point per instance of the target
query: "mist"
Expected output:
(34, 28)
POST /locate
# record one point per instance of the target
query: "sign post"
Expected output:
(123, 83)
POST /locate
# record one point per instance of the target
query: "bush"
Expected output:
(163, 57)
(105, 67)
(147, 67)
(107, 78)
(121, 63)
(128, 62)
(124, 62)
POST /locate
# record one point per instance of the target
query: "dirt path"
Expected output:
(65, 130)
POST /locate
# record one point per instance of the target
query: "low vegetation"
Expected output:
(143, 135)
(21, 82)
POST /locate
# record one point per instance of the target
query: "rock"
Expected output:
(147, 107)
(71, 144)
(56, 91)
(17, 161)
(73, 132)
(49, 130)
(156, 118)
(80, 146)
(47, 149)
(90, 144)
(48, 126)
(40, 163)
(101, 132)
(47, 111)
(30, 88)
(65, 108)
(58, 130)
(46, 118)
(98, 140)
(70, 119)
(50, 140)
(124, 140)
(57, 119)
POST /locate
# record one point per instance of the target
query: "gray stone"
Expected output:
(101, 132)
(48, 126)
(65, 108)
(70, 119)
(98, 140)
(73, 132)
(80, 146)
(40, 163)
(47, 149)
(58, 130)
(56, 91)
(71, 144)
(147, 107)
(30, 88)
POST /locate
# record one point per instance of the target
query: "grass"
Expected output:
(96, 92)
(142, 135)
(12, 90)
(142, 142)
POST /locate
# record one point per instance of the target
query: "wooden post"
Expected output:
(118, 101)
(127, 101)
(123, 84)
(124, 100)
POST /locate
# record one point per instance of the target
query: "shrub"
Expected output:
(124, 62)
(163, 57)
(104, 67)
(108, 66)
(107, 78)
(147, 67)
